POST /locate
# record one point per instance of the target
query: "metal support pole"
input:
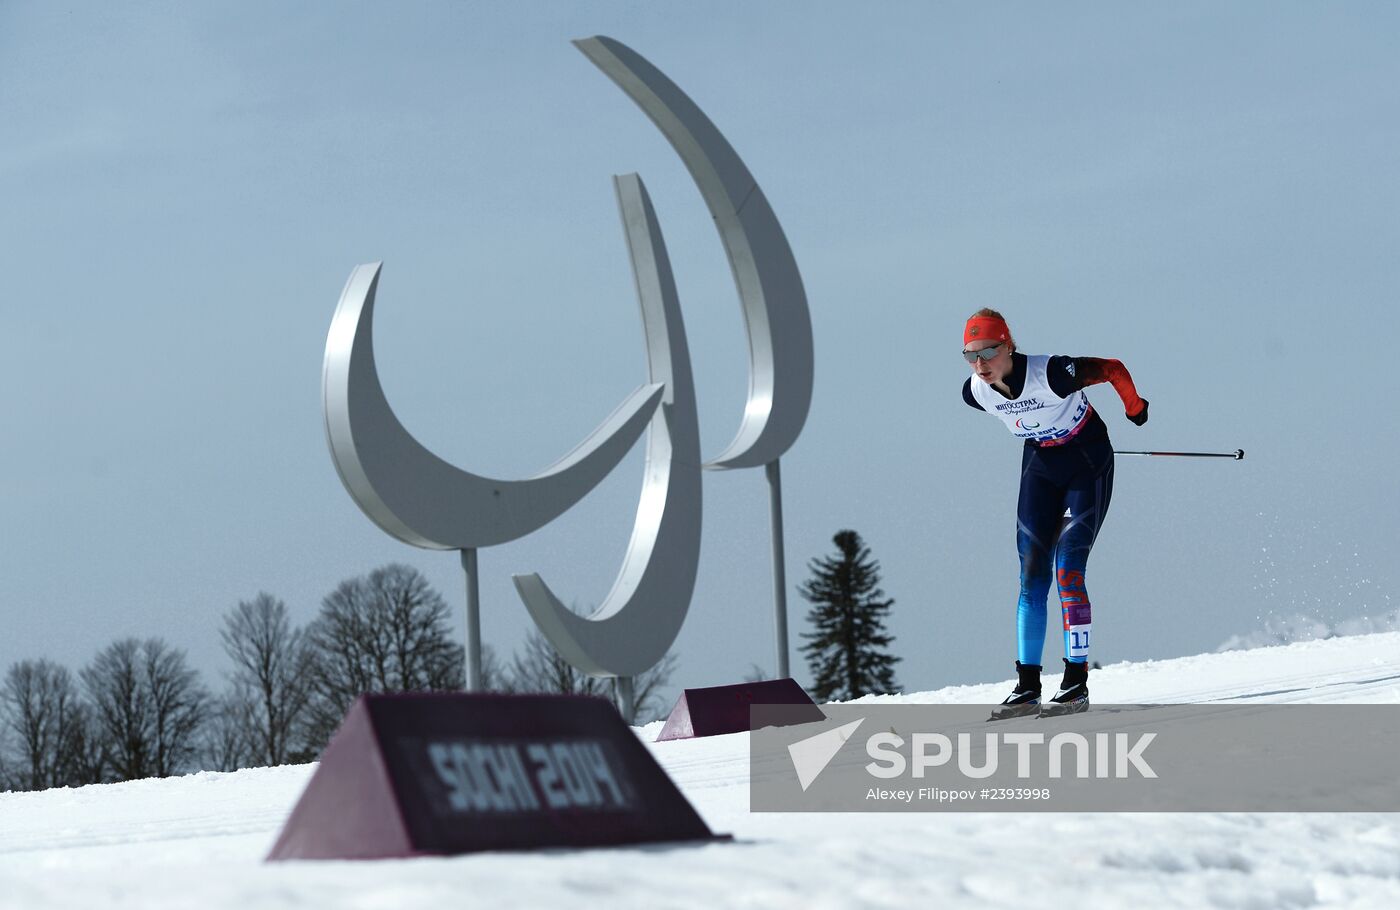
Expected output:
(775, 512)
(473, 674)
(626, 698)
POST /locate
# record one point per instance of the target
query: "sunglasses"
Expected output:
(984, 354)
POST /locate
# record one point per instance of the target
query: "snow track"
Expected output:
(197, 841)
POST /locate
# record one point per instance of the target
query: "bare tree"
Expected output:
(495, 676)
(121, 708)
(648, 687)
(385, 632)
(228, 737)
(7, 781)
(271, 676)
(147, 706)
(180, 704)
(40, 705)
(540, 668)
(85, 756)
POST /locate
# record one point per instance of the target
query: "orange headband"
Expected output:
(980, 328)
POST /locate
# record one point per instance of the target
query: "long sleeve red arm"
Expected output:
(1094, 370)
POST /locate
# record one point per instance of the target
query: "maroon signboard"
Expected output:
(725, 709)
(435, 774)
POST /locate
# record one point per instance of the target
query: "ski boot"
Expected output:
(1024, 700)
(1073, 696)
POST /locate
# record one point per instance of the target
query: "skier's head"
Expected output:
(985, 331)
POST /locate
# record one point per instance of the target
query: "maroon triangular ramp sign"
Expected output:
(725, 709)
(437, 774)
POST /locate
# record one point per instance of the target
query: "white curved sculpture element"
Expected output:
(642, 614)
(416, 496)
(765, 271)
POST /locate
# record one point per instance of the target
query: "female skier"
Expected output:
(1066, 484)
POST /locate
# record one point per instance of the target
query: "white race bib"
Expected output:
(1038, 414)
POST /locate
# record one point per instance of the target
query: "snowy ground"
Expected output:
(198, 841)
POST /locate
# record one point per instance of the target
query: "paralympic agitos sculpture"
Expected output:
(422, 500)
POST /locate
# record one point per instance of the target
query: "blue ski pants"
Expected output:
(1065, 491)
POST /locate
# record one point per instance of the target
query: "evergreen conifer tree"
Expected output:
(846, 653)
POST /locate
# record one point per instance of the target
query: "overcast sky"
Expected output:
(1206, 191)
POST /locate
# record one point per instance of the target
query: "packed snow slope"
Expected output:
(198, 841)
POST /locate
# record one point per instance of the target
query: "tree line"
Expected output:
(138, 709)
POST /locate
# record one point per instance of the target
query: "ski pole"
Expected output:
(1238, 454)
